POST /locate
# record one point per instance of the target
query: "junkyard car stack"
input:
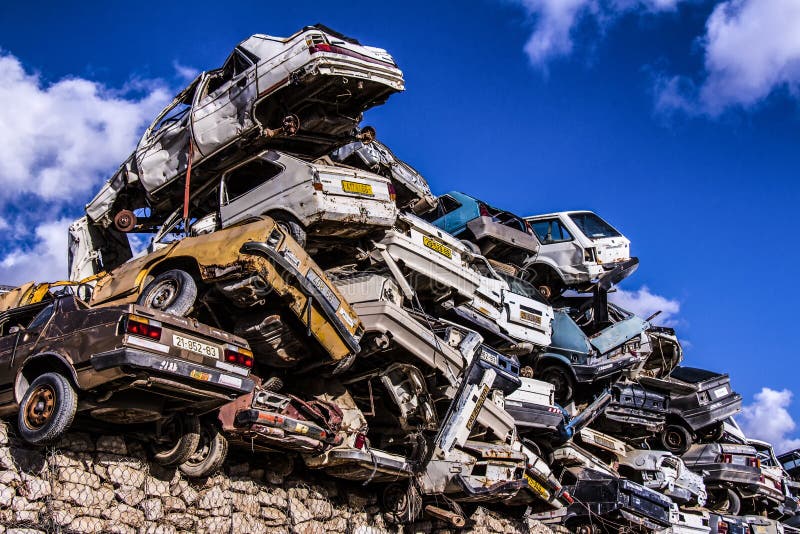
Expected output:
(305, 292)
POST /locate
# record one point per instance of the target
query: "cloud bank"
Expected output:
(644, 303)
(768, 419)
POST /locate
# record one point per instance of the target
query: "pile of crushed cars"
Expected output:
(303, 291)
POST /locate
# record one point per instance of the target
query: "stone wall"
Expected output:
(105, 483)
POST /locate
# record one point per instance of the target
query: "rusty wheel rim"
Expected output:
(163, 294)
(41, 406)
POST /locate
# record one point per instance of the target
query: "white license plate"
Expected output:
(192, 345)
(720, 392)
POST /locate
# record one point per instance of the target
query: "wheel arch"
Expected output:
(545, 265)
(184, 263)
(40, 364)
(548, 359)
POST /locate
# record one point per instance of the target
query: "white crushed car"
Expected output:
(303, 94)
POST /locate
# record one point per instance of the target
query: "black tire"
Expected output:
(402, 502)
(291, 226)
(182, 435)
(47, 409)
(210, 453)
(726, 501)
(676, 439)
(472, 247)
(562, 379)
(173, 291)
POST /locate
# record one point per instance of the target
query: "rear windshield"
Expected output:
(593, 226)
(693, 375)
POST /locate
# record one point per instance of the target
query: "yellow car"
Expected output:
(253, 280)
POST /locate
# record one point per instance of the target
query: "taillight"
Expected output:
(360, 441)
(483, 210)
(753, 462)
(142, 326)
(567, 497)
(722, 527)
(589, 254)
(392, 192)
(727, 459)
(316, 182)
(239, 356)
(317, 43)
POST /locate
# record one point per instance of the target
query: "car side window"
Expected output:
(551, 231)
(445, 205)
(244, 179)
(41, 318)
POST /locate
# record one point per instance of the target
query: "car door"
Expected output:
(163, 152)
(256, 188)
(557, 243)
(223, 105)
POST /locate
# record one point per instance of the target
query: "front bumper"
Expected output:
(307, 288)
(278, 429)
(196, 379)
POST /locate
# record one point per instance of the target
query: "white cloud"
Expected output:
(752, 50)
(60, 140)
(555, 21)
(185, 72)
(44, 260)
(644, 304)
(768, 419)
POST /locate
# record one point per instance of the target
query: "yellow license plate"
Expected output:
(536, 487)
(199, 375)
(357, 188)
(530, 317)
(437, 247)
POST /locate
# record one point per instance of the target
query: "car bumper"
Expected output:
(534, 416)
(485, 228)
(600, 370)
(360, 465)
(337, 65)
(737, 474)
(195, 377)
(307, 288)
(343, 216)
(475, 489)
(707, 415)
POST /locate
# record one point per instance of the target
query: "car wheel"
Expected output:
(47, 409)
(562, 380)
(125, 221)
(676, 439)
(402, 502)
(173, 291)
(289, 224)
(725, 501)
(209, 455)
(472, 247)
(178, 441)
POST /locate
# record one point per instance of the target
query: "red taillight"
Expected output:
(753, 462)
(140, 326)
(567, 497)
(239, 356)
(322, 47)
(392, 192)
(484, 211)
(360, 441)
(727, 459)
(722, 527)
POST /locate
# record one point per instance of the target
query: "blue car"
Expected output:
(495, 233)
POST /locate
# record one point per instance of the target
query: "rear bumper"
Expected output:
(341, 215)
(198, 378)
(591, 373)
(737, 474)
(337, 65)
(534, 416)
(486, 228)
(477, 492)
(360, 465)
(709, 414)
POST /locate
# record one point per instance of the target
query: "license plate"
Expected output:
(357, 188)
(530, 317)
(535, 486)
(720, 392)
(199, 375)
(437, 247)
(195, 346)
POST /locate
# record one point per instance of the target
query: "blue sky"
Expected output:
(677, 121)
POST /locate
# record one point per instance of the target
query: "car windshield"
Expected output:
(521, 287)
(593, 226)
